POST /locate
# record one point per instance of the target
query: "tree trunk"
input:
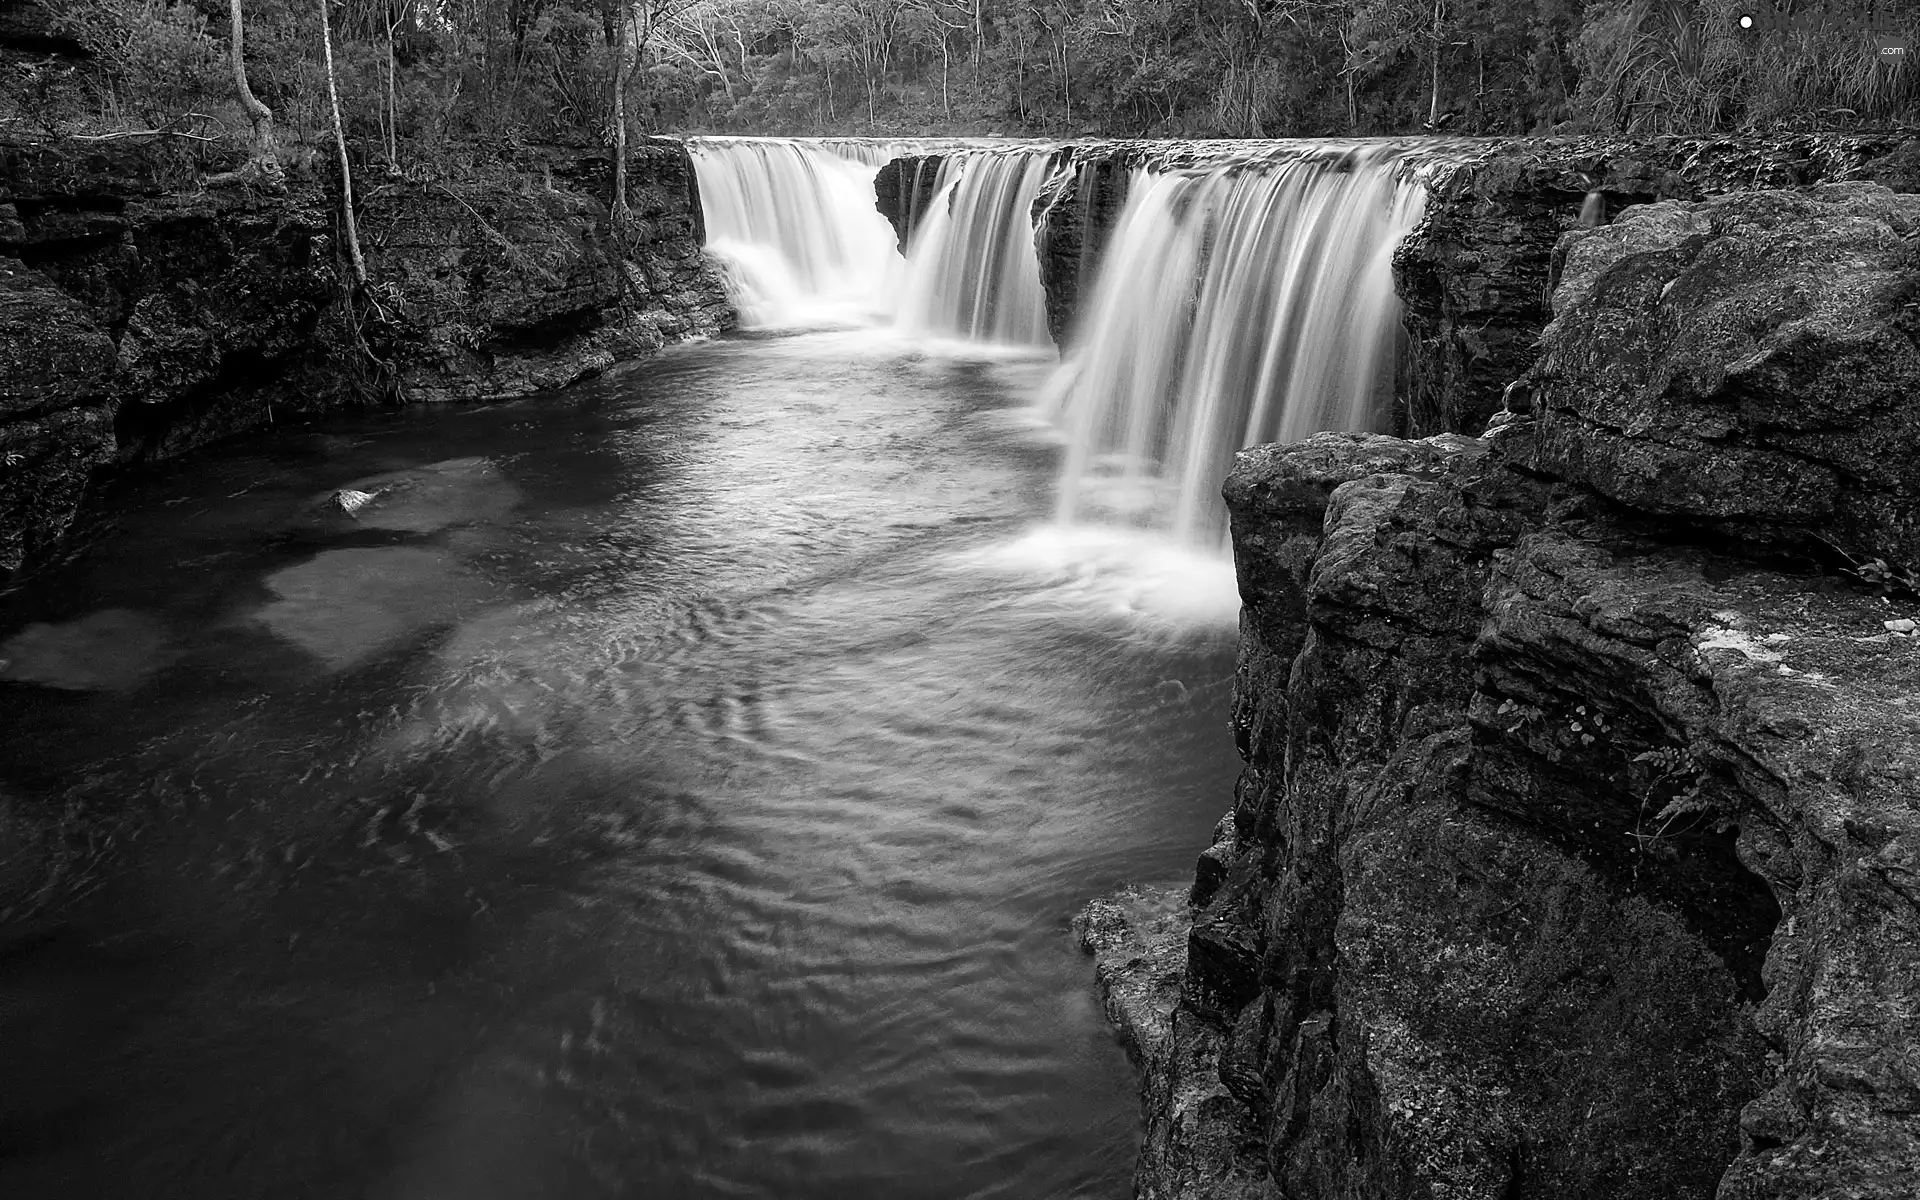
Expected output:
(621, 70)
(393, 104)
(340, 144)
(1066, 78)
(261, 156)
(1433, 107)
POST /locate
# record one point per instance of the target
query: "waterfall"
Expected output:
(794, 228)
(1238, 303)
(971, 271)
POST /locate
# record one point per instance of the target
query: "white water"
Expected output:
(971, 270)
(1247, 299)
(794, 228)
(1241, 303)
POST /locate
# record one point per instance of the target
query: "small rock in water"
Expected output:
(1902, 625)
(349, 501)
(458, 491)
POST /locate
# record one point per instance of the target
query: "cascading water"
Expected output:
(971, 270)
(794, 226)
(1241, 299)
(1239, 303)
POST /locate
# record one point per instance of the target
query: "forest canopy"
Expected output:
(424, 74)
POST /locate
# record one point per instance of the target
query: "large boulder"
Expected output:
(1748, 362)
(1476, 274)
(492, 288)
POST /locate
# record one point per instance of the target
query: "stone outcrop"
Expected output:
(129, 299)
(1573, 852)
(1073, 217)
(903, 189)
(1475, 276)
(1750, 363)
(1074, 220)
(504, 286)
(142, 316)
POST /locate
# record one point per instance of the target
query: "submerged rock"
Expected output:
(345, 606)
(114, 650)
(1572, 853)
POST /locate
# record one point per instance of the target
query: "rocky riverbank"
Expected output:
(1572, 856)
(143, 315)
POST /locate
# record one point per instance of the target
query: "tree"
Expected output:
(637, 24)
(340, 142)
(622, 71)
(262, 160)
(396, 14)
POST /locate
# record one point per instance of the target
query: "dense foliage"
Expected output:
(420, 74)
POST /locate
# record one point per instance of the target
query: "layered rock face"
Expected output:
(1573, 856)
(902, 191)
(1074, 221)
(501, 287)
(141, 316)
(1073, 218)
(1474, 275)
(139, 319)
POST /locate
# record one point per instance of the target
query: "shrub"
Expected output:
(155, 59)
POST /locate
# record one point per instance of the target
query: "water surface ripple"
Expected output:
(677, 787)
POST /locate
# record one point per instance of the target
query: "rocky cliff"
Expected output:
(1473, 276)
(509, 283)
(142, 315)
(1573, 855)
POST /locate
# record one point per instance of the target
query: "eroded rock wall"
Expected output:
(1476, 275)
(1074, 220)
(142, 316)
(509, 283)
(1573, 853)
(1073, 217)
(903, 189)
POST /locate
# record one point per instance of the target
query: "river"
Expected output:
(678, 786)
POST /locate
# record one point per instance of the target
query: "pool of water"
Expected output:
(679, 786)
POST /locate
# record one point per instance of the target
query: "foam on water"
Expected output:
(794, 226)
(1154, 586)
(1239, 302)
(972, 271)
